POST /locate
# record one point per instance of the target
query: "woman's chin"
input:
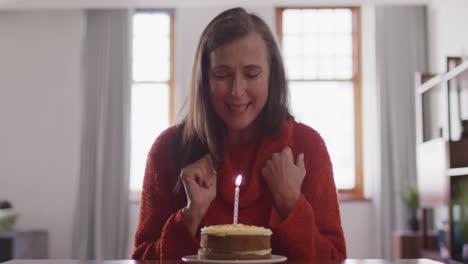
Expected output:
(240, 126)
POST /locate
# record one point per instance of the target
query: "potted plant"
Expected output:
(8, 216)
(461, 199)
(410, 196)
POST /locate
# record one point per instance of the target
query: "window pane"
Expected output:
(294, 68)
(344, 45)
(326, 20)
(344, 68)
(311, 68)
(293, 46)
(311, 45)
(150, 116)
(151, 47)
(311, 22)
(157, 23)
(292, 22)
(328, 107)
(343, 18)
(327, 45)
(321, 35)
(326, 70)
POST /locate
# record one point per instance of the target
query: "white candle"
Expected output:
(236, 198)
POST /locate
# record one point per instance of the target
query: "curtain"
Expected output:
(401, 50)
(102, 210)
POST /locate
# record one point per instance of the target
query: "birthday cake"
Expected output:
(235, 242)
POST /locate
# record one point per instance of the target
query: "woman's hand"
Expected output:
(284, 178)
(199, 179)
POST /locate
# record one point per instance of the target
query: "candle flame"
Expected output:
(238, 180)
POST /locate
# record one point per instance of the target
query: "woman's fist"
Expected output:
(284, 177)
(199, 179)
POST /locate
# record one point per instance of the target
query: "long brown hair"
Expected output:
(202, 129)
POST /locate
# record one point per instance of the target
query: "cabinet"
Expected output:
(407, 245)
(24, 245)
(442, 151)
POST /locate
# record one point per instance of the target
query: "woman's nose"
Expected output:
(238, 85)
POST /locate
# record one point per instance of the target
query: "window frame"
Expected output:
(356, 193)
(135, 195)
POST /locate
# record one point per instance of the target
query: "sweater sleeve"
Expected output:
(313, 227)
(162, 232)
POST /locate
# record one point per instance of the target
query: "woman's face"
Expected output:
(239, 77)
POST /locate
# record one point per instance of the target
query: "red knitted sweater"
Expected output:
(311, 230)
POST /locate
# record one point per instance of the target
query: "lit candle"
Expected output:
(236, 198)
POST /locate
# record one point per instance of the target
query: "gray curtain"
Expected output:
(401, 51)
(101, 218)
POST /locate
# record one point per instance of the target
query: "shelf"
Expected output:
(457, 171)
(442, 164)
(433, 255)
(444, 77)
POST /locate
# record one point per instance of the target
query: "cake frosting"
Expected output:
(235, 242)
(238, 229)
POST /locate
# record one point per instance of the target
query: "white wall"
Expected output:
(448, 32)
(360, 228)
(40, 111)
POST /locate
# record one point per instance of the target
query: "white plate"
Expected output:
(274, 259)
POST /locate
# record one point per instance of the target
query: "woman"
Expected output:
(238, 123)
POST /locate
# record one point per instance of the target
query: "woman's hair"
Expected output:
(202, 129)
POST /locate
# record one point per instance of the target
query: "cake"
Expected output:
(235, 242)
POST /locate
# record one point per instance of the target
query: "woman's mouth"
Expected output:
(238, 108)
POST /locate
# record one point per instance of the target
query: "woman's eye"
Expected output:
(222, 75)
(252, 74)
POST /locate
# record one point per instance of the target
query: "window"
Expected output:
(321, 54)
(152, 92)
